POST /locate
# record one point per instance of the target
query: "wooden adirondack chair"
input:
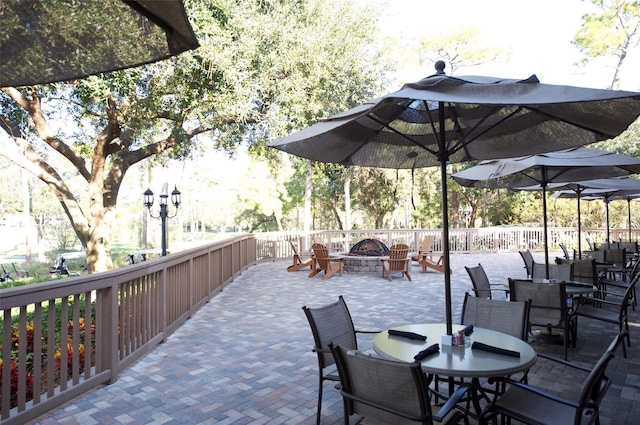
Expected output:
(397, 262)
(425, 257)
(298, 264)
(323, 262)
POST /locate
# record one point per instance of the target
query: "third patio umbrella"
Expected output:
(537, 172)
(442, 119)
(624, 188)
(612, 188)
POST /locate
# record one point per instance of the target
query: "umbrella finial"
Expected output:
(440, 67)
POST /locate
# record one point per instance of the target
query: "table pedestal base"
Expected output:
(541, 335)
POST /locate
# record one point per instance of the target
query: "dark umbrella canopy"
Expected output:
(624, 188)
(540, 172)
(442, 119)
(46, 41)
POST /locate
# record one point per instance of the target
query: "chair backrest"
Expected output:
(527, 257)
(479, 280)
(616, 256)
(383, 391)
(509, 317)
(585, 271)
(597, 383)
(427, 245)
(398, 257)
(565, 252)
(598, 255)
(629, 246)
(321, 253)
(559, 272)
(591, 246)
(548, 301)
(331, 323)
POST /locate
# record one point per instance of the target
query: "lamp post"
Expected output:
(164, 211)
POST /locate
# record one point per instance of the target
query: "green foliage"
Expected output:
(460, 48)
(610, 32)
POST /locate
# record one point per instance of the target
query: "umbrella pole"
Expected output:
(579, 228)
(606, 204)
(544, 220)
(444, 157)
(629, 216)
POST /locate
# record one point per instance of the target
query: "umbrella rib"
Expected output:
(465, 144)
(556, 118)
(415, 142)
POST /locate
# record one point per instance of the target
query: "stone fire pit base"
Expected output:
(362, 264)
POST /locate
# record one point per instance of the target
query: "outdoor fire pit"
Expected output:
(369, 248)
(364, 256)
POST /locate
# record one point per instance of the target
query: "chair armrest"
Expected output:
(452, 402)
(601, 300)
(498, 287)
(539, 392)
(564, 362)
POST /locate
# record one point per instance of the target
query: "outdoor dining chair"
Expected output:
(565, 252)
(603, 306)
(548, 310)
(391, 392)
(331, 323)
(481, 285)
(527, 257)
(397, 262)
(584, 271)
(559, 272)
(511, 318)
(532, 405)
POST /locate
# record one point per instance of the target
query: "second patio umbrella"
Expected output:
(442, 119)
(539, 171)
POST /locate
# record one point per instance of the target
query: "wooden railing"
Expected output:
(68, 336)
(276, 245)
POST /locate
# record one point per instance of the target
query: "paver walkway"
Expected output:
(245, 357)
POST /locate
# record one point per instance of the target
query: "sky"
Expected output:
(540, 34)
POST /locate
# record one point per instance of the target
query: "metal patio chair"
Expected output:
(391, 392)
(481, 285)
(527, 404)
(331, 323)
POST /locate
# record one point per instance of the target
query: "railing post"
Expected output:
(107, 357)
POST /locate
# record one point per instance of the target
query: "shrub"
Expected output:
(14, 384)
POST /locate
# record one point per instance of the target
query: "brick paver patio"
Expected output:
(245, 357)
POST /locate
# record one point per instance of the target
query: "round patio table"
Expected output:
(459, 361)
(572, 288)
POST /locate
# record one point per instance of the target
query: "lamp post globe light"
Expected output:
(164, 211)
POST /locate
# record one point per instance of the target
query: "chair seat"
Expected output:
(538, 409)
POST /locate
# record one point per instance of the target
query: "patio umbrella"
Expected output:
(46, 41)
(537, 172)
(626, 188)
(613, 188)
(442, 119)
